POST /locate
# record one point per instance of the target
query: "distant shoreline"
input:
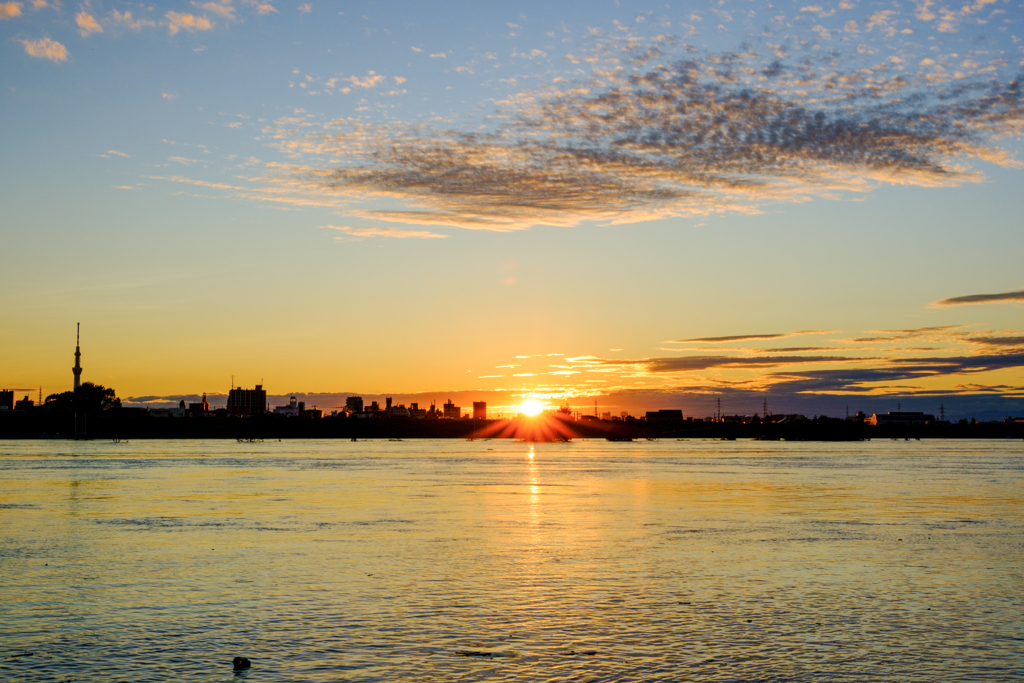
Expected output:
(116, 425)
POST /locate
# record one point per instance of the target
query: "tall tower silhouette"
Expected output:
(78, 358)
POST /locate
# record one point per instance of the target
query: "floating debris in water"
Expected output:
(240, 663)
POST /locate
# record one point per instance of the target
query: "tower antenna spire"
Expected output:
(77, 370)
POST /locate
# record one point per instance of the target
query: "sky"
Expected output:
(616, 204)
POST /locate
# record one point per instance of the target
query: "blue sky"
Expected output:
(394, 197)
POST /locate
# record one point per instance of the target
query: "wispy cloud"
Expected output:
(87, 23)
(936, 332)
(294, 195)
(720, 133)
(385, 232)
(222, 8)
(996, 341)
(744, 337)
(956, 361)
(190, 22)
(45, 48)
(371, 80)
(10, 10)
(1004, 297)
(887, 377)
(126, 19)
(693, 363)
(260, 7)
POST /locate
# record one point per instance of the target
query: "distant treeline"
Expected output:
(123, 423)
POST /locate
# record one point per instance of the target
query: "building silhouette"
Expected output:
(664, 415)
(199, 409)
(452, 411)
(6, 400)
(243, 402)
(479, 410)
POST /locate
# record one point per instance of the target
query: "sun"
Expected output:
(531, 407)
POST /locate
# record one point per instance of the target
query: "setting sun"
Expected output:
(531, 407)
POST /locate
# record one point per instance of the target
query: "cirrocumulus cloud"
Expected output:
(699, 135)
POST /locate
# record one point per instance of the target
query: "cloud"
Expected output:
(980, 363)
(897, 370)
(939, 332)
(371, 80)
(691, 137)
(438, 55)
(385, 232)
(222, 8)
(116, 153)
(87, 23)
(9, 10)
(127, 20)
(997, 341)
(878, 19)
(923, 11)
(305, 8)
(694, 363)
(45, 48)
(744, 337)
(982, 299)
(189, 22)
(168, 96)
(261, 7)
(279, 195)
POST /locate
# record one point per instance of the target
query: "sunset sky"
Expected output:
(647, 205)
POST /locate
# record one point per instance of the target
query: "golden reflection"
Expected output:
(534, 479)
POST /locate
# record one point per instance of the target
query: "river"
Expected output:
(507, 561)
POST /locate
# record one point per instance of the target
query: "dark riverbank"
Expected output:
(129, 424)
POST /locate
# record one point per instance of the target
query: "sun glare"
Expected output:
(531, 407)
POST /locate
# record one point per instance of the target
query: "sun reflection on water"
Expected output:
(654, 561)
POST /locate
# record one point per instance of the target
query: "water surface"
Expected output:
(499, 560)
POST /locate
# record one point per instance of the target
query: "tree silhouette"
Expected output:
(88, 398)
